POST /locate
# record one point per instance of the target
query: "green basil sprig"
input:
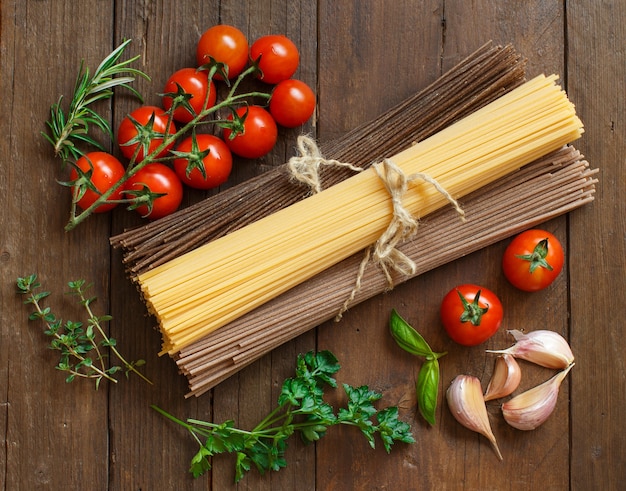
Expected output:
(427, 386)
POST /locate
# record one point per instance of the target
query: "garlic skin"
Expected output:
(532, 408)
(466, 403)
(505, 379)
(542, 347)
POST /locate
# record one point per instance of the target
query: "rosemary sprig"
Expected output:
(68, 129)
(83, 349)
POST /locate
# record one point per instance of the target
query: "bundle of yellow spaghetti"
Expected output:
(211, 286)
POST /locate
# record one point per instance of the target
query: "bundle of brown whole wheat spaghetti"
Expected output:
(498, 201)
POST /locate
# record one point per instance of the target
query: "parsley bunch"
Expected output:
(301, 409)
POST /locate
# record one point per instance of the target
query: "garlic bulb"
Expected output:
(532, 408)
(505, 378)
(545, 348)
(466, 403)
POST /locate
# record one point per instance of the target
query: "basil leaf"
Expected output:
(427, 389)
(407, 337)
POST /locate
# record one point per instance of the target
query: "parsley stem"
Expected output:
(271, 418)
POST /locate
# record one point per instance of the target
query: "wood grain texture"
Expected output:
(47, 422)
(597, 295)
(362, 57)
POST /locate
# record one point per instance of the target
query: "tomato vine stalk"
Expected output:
(70, 130)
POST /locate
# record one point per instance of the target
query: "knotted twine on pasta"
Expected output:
(403, 226)
(305, 167)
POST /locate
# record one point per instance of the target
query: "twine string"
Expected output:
(305, 166)
(402, 227)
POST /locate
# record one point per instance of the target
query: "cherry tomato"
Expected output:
(259, 133)
(105, 171)
(195, 83)
(279, 57)
(533, 260)
(225, 44)
(471, 314)
(292, 103)
(146, 135)
(208, 164)
(156, 178)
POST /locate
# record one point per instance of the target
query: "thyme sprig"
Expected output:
(300, 409)
(84, 349)
(71, 128)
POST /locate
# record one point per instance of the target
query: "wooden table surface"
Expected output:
(362, 57)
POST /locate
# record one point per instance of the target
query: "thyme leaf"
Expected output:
(84, 350)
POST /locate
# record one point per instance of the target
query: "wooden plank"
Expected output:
(364, 68)
(536, 30)
(249, 396)
(369, 73)
(48, 423)
(147, 451)
(597, 258)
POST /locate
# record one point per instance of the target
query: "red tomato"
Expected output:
(533, 260)
(279, 57)
(292, 103)
(148, 136)
(225, 44)
(156, 179)
(259, 133)
(194, 83)
(208, 164)
(105, 170)
(471, 314)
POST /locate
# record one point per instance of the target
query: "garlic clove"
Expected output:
(532, 408)
(466, 403)
(505, 379)
(542, 347)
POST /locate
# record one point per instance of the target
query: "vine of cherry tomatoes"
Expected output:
(199, 159)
